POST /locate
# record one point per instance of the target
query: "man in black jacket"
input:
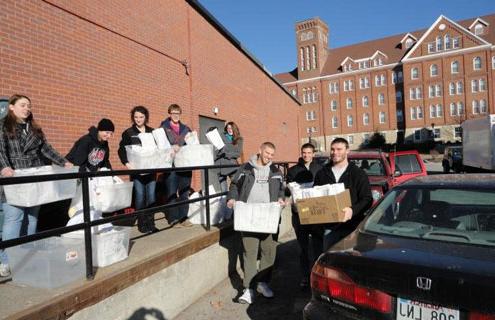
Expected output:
(304, 172)
(340, 170)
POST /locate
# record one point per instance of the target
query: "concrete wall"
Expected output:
(173, 289)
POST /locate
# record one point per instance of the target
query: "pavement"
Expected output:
(288, 303)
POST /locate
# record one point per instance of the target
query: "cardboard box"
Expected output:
(327, 209)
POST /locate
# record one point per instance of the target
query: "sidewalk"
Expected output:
(289, 301)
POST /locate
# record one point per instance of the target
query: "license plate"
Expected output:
(415, 310)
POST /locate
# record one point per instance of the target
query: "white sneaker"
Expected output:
(4, 270)
(247, 296)
(265, 290)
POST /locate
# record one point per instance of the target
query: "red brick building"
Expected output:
(410, 87)
(81, 60)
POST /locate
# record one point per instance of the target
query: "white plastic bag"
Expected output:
(215, 139)
(191, 138)
(38, 193)
(257, 217)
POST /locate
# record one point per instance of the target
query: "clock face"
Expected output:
(4, 107)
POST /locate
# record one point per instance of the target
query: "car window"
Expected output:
(449, 215)
(372, 166)
(407, 163)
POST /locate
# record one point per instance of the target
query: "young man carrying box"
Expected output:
(340, 170)
(257, 181)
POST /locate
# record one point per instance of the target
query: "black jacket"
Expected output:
(354, 179)
(244, 179)
(90, 154)
(300, 174)
(130, 137)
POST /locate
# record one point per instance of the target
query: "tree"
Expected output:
(377, 140)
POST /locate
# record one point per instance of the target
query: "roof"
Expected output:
(287, 76)
(465, 181)
(390, 46)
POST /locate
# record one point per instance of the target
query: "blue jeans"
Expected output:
(17, 221)
(144, 197)
(177, 185)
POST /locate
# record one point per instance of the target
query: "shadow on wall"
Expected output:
(147, 314)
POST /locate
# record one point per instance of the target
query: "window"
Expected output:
(431, 91)
(413, 113)
(417, 135)
(412, 94)
(493, 62)
(436, 111)
(483, 108)
(377, 81)
(333, 87)
(310, 115)
(293, 92)
(476, 107)
(446, 40)
(348, 85)
(381, 117)
(458, 132)
(400, 77)
(451, 88)
(460, 108)
(364, 83)
(313, 61)
(301, 54)
(414, 73)
(454, 67)
(453, 109)
(409, 43)
(433, 70)
(304, 96)
(439, 110)
(350, 139)
(478, 29)
(456, 42)
(335, 122)
(310, 130)
(438, 90)
(419, 112)
(436, 133)
(366, 138)
(398, 96)
(365, 101)
(307, 57)
(431, 47)
(383, 80)
(350, 121)
(381, 99)
(394, 77)
(474, 86)
(314, 94)
(477, 63)
(439, 43)
(333, 105)
(460, 87)
(432, 111)
(400, 116)
(366, 119)
(348, 103)
(482, 84)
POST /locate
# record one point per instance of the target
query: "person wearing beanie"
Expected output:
(91, 151)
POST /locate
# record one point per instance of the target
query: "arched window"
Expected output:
(439, 43)
(335, 122)
(307, 58)
(414, 73)
(366, 119)
(348, 103)
(350, 121)
(381, 99)
(301, 53)
(483, 108)
(477, 63)
(446, 40)
(381, 117)
(313, 53)
(454, 67)
(433, 70)
(365, 101)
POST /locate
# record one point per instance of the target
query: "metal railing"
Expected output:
(87, 224)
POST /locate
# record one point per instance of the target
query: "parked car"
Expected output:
(426, 251)
(452, 159)
(386, 170)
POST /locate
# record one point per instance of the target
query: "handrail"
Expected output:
(88, 224)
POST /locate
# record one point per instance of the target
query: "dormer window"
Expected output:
(479, 29)
(409, 43)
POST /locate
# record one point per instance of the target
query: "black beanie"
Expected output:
(106, 125)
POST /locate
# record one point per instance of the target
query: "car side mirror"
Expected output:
(397, 173)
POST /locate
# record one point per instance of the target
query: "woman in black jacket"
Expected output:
(229, 154)
(22, 145)
(145, 184)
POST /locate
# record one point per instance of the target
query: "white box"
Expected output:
(113, 197)
(197, 211)
(48, 263)
(194, 156)
(37, 193)
(257, 217)
(108, 247)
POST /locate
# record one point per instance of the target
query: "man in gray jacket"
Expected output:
(257, 181)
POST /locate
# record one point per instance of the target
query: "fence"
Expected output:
(88, 224)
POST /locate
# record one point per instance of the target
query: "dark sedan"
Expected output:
(425, 252)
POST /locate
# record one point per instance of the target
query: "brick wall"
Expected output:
(82, 60)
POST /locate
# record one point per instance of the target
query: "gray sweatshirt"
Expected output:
(260, 193)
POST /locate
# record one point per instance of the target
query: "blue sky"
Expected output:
(266, 28)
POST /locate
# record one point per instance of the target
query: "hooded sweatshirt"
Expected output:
(89, 153)
(260, 193)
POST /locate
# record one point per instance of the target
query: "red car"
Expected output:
(386, 170)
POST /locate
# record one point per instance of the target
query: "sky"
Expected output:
(266, 28)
